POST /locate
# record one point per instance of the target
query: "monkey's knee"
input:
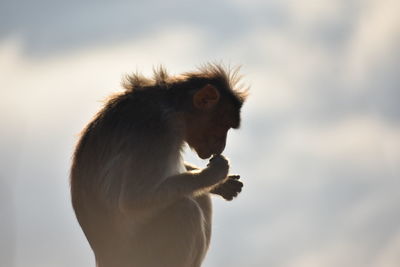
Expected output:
(197, 226)
(193, 222)
(204, 201)
(182, 221)
(177, 236)
(189, 211)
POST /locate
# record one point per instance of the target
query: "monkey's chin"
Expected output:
(204, 155)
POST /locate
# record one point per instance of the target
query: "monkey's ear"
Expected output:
(206, 98)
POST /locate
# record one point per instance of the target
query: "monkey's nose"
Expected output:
(220, 150)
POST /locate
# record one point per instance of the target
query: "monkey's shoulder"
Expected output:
(139, 114)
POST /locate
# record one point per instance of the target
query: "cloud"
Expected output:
(362, 142)
(390, 254)
(376, 38)
(318, 152)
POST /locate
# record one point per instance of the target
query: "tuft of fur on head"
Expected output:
(137, 81)
(223, 77)
(161, 77)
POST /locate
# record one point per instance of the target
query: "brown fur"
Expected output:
(134, 207)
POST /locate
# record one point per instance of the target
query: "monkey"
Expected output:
(138, 203)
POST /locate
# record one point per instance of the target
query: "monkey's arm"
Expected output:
(174, 187)
(187, 183)
(228, 190)
(190, 167)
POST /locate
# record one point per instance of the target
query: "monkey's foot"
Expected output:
(230, 188)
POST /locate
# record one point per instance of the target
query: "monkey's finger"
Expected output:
(223, 190)
(235, 190)
(231, 186)
(234, 176)
(227, 195)
(231, 196)
(226, 191)
(233, 182)
(214, 156)
(230, 192)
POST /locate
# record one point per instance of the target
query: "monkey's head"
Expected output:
(215, 110)
(209, 100)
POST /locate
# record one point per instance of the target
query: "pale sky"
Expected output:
(319, 147)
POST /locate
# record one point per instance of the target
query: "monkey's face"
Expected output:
(208, 126)
(206, 136)
(206, 131)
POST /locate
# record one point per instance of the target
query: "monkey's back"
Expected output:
(119, 153)
(132, 128)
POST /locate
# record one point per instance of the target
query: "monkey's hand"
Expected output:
(217, 169)
(230, 188)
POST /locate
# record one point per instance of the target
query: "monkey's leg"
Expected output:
(205, 204)
(173, 238)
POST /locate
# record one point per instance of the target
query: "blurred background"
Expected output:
(319, 147)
